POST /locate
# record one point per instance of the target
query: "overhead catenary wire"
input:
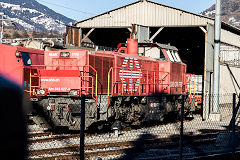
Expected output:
(79, 11)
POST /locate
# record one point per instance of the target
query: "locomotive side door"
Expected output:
(30, 74)
(164, 69)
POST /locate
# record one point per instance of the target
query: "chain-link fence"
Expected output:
(176, 136)
(214, 135)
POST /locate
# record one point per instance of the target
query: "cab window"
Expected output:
(173, 56)
(162, 56)
(26, 59)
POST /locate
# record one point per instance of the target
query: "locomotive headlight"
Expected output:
(40, 91)
(64, 54)
(153, 105)
(17, 54)
(74, 92)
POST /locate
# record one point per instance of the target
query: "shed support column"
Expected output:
(66, 39)
(156, 33)
(208, 70)
(80, 37)
(89, 32)
(73, 36)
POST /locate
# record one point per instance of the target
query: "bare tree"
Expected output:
(25, 34)
(16, 34)
(6, 35)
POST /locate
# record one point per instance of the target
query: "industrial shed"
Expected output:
(191, 33)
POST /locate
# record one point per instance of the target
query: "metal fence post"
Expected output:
(181, 130)
(233, 125)
(82, 127)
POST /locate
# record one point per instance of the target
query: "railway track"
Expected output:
(120, 148)
(164, 137)
(52, 138)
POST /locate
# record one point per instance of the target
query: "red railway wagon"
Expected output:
(16, 64)
(194, 88)
(140, 82)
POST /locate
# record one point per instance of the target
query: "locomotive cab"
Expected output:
(169, 62)
(16, 64)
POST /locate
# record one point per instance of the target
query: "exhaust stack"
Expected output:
(132, 46)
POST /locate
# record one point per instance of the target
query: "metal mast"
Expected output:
(216, 73)
(1, 38)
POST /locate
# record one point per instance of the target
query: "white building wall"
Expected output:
(227, 84)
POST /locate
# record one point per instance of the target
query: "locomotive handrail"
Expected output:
(156, 81)
(96, 86)
(109, 80)
(109, 85)
(61, 66)
(30, 81)
(90, 87)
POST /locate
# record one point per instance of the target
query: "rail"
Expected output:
(34, 71)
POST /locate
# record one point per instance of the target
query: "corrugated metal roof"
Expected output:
(146, 13)
(153, 14)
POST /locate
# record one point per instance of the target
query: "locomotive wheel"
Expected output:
(168, 106)
(100, 126)
(116, 125)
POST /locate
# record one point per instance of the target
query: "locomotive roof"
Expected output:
(165, 46)
(23, 49)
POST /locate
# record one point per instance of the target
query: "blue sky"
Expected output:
(82, 9)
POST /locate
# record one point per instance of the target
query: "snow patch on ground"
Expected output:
(17, 7)
(209, 13)
(32, 19)
(234, 21)
(24, 24)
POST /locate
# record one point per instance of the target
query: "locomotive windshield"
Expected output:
(26, 59)
(173, 56)
(170, 56)
(177, 56)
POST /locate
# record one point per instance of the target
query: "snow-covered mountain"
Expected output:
(230, 12)
(33, 16)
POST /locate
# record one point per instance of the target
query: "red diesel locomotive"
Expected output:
(139, 83)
